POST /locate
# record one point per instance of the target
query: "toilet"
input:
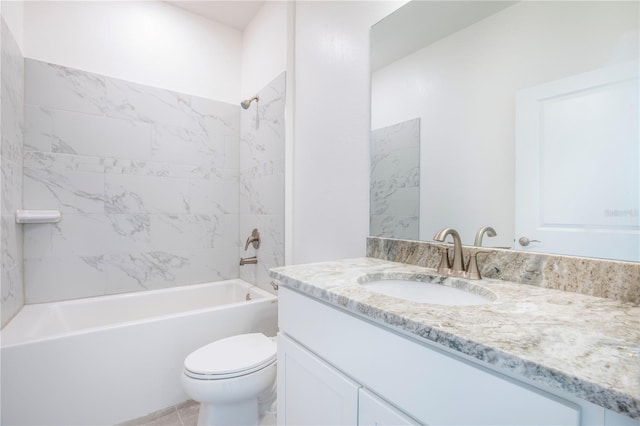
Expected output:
(233, 379)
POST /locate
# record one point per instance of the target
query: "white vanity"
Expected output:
(349, 356)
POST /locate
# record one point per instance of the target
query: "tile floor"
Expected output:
(184, 414)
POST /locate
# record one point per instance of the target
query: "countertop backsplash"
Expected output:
(610, 279)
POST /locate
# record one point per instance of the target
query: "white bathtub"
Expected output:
(104, 360)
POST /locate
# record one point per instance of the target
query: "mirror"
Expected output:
(528, 120)
(395, 181)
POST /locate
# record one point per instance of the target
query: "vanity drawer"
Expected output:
(433, 386)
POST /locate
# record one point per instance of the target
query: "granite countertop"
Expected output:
(586, 346)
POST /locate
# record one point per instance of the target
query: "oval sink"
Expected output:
(429, 289)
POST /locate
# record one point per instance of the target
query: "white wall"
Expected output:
(151, 43)
(463, 87)
(264, 47)
(12, 13)
(332, 128)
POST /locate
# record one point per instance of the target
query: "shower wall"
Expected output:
(262, 154)
(11, 130)
(146, 180)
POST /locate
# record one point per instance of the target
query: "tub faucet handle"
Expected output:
(254, 240)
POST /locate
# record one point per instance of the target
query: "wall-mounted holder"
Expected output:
(38, 216)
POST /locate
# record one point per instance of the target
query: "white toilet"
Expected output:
(232, 379)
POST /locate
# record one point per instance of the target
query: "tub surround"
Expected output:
(611, 279)
(262, 181)
(11, 128)
(161, 180)
(150, 174)
(585, 346)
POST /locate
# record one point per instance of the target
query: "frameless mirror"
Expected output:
(395, 181)
(527, 121)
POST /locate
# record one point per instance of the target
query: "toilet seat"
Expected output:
(231, 357)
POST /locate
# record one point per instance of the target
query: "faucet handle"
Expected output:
(472, 268)
(445, 264)
(473, 272)
(254, 240)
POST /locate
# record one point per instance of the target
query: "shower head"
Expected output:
(246, 103)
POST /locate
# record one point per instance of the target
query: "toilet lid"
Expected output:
(231, 355)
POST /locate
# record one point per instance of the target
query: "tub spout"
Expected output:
(248, 260)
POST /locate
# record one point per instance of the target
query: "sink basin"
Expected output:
(430, 289)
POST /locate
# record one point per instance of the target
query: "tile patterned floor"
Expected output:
(184, 414)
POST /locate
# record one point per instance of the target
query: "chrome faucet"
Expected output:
(248, 260)
(458, 267)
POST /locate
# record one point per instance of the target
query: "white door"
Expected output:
(311, 392)
(577, 165)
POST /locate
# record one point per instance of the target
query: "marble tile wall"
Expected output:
(11, 130)
(395, 181)
(146, 180)
(262, 181)
(595, 277)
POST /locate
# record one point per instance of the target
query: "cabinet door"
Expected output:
(310, 391)
(373, 411)
(433, 386)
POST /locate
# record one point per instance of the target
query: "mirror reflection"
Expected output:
(395, 181)
(528, 121)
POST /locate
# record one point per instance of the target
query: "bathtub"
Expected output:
(105, 360)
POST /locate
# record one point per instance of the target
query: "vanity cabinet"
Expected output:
(374, 411)
(311, 392)
(345, 369)
(314, 393)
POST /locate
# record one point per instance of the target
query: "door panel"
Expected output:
(311, 392)
(577, 165)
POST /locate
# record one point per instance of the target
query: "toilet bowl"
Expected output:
(232, 378)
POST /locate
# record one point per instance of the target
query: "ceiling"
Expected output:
(233, 13)
(420, 23)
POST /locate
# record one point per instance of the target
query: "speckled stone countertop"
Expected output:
(586, 346)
